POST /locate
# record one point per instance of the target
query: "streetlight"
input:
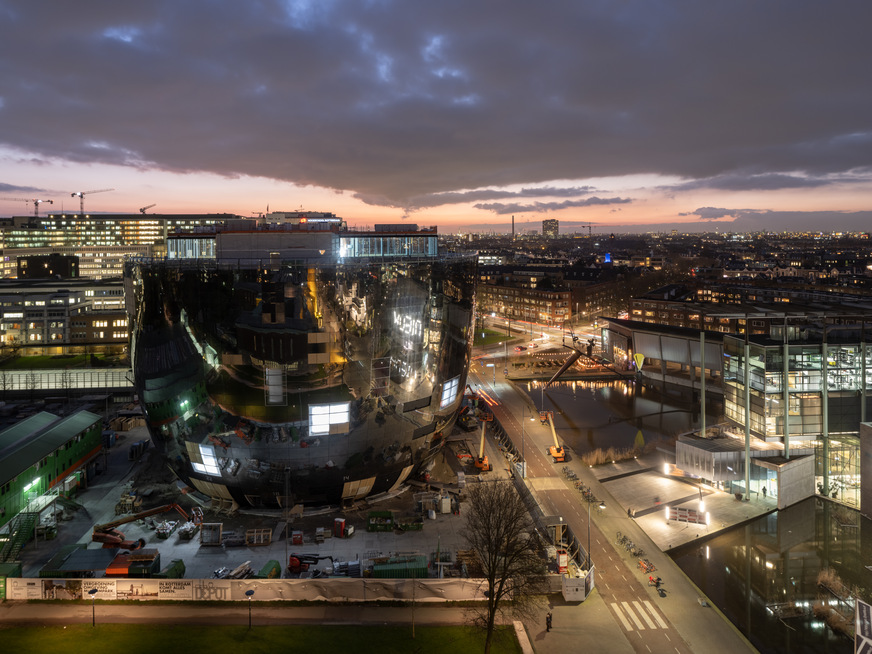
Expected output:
(602, 505)
(93, 594)
(249, 594)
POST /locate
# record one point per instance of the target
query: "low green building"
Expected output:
(39, 453)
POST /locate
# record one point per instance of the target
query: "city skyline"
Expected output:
(630, 117)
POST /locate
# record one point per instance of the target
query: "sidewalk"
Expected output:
(703, 627)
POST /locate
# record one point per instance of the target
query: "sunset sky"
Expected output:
(629, 116)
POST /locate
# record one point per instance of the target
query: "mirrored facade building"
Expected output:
(303, 362)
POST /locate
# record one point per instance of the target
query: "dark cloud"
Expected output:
(439, 199)
(764, 182)
(546, 207)
(405, 102)
(13, 190)
(712, 213)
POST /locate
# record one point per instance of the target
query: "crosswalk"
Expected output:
(638, 615)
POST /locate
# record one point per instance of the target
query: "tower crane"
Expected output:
(36, 203)
(81, 195)
(142, 210)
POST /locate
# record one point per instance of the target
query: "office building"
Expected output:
(101, 242)
(71, 316)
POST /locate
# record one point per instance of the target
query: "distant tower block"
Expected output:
(513, 228)
(550, 228)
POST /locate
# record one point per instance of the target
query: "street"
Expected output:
(647, 619)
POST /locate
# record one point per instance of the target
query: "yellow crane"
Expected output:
(481, 461)
(556, 450)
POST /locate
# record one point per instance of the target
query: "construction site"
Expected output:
(135, 519)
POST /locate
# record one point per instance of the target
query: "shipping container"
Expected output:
(407, 567)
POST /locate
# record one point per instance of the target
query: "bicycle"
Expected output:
(646, 566)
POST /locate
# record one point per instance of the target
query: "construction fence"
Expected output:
(234, 590)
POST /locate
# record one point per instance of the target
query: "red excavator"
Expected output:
(111, 537)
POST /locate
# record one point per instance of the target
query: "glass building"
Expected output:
(304, 363)
(806, 384)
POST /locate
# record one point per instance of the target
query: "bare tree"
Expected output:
(499, 529)
(66, 382)
(31, 382)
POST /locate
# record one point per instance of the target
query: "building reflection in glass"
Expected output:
(284, 372)
(764, 575)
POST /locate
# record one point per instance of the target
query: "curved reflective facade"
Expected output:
(300, 383)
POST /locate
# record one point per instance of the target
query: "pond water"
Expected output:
(620, 414)
(764, 576)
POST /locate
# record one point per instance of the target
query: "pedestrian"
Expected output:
(548, 621)
(764, 492)
(629, 512)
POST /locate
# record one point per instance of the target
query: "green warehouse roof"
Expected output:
(34, 438)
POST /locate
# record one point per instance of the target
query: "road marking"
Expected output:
(644, 615)
(617, 610)
(656, 615)
(633, 611)
(629, 611)
(667, 637)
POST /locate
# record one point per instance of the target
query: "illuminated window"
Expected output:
(449, 392)
(208, 463)
(328, 418)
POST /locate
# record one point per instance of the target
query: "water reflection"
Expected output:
(764, 575)
(620, 414)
